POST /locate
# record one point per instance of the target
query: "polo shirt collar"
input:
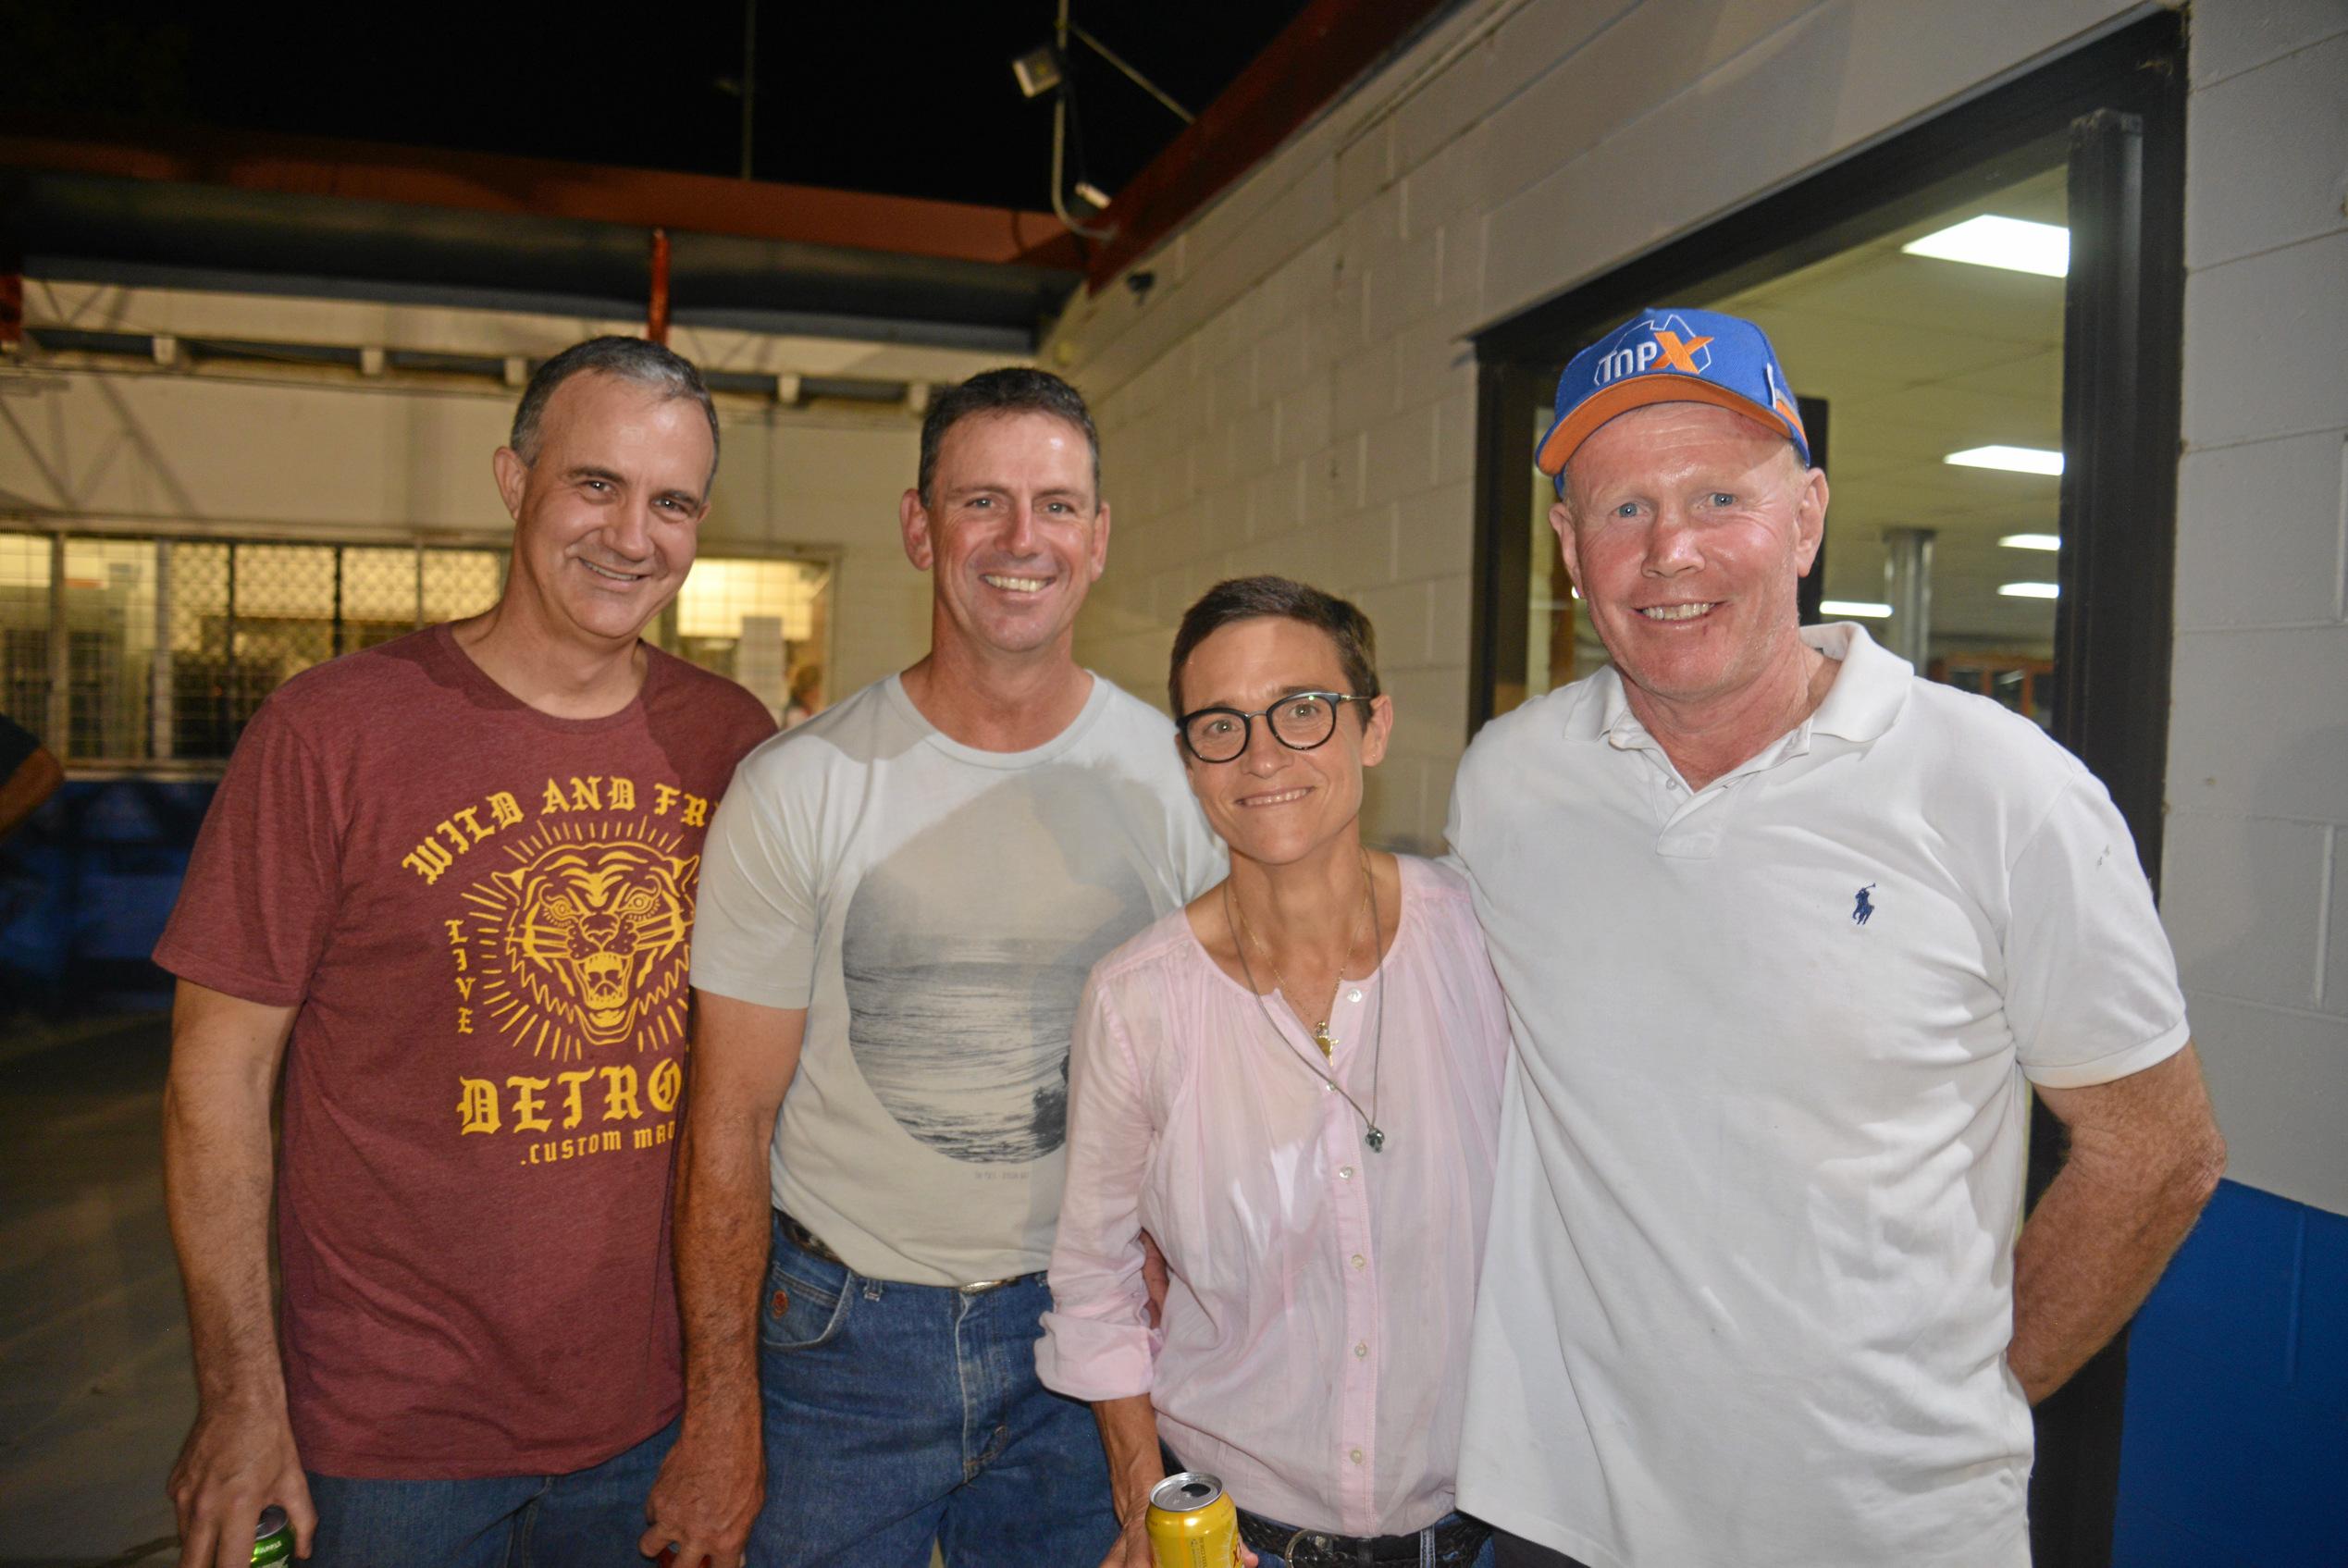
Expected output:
(1870, 689)
(1868, 693)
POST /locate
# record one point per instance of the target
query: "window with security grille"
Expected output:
(25, 676)
(760, 624)
(124, 651)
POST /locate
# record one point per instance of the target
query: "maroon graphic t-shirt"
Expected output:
(483, 914)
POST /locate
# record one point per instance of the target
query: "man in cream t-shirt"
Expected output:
(896, 919)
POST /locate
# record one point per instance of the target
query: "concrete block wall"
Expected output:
(263, 450)
(1295, 391)
(2255, 878)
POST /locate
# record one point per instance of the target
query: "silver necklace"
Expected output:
(1376, 1135)
(1321, 1036)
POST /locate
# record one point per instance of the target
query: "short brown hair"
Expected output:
(1251, 599)
(1015, 388)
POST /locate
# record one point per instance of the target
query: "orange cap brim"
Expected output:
(1637, 391)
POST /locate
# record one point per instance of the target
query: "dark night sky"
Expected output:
(884, 95)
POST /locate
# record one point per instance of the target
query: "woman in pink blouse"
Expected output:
(1293, 1086)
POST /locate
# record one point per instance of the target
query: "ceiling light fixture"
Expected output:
(2013, 460)
(2012, 243)
(2030, 590)
(1855, 608)
(2033, 541)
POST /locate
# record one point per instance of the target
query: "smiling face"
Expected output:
(607, 515)
(1687, 528)
(1011, 532)
(1271, 804)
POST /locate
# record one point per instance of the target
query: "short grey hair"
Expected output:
(647, 364)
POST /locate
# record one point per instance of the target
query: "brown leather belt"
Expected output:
(808, 1240)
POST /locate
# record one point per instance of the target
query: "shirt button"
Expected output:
(1345, 1173)
(1361, 1349)
(1360, 1262)
(1355, 1456)
(1354, 995)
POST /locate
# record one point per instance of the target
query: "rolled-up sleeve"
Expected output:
(1097, 1343)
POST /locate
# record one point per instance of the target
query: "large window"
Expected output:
(136, 652)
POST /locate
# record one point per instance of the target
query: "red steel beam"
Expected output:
(544, 187)
(1315, 57)
(656, 314)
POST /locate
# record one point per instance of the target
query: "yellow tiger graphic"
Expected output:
(597, 936)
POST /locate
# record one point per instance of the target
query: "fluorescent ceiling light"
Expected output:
(2030, 590)
(2010, 242)
(1854, 609)
(2033, 541)
(2014, 460)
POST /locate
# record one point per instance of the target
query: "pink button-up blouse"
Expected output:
(1315, 1343)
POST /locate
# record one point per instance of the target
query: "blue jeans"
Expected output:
(589, 1518)
(896, 1414)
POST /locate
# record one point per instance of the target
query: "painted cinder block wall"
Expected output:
(2255, 881)
(2236, 1449)
(1294, 393)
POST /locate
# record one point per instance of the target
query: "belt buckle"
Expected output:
(980, 1287)
(1308, 1549)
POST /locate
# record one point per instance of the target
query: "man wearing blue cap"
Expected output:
(1788, 934)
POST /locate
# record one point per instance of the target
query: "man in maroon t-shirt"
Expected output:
(446, 886)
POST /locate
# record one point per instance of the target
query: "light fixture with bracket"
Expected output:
(1048, 69)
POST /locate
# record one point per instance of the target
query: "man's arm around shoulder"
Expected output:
(31, 781)
(218, 1162)
(714, 1480)
(2146, 1154)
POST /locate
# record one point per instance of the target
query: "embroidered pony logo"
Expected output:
(1866, 907)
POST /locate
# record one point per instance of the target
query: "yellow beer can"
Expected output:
(1192, 1522)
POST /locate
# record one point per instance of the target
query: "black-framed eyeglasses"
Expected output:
(1300, 720)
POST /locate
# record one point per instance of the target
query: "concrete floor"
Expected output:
(96, 1388)
(98, 1394)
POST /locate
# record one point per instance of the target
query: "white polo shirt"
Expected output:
(1748, 1284)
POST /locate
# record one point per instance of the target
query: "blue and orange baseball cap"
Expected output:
(1667, 356)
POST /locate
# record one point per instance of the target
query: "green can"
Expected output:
(272, 1538)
